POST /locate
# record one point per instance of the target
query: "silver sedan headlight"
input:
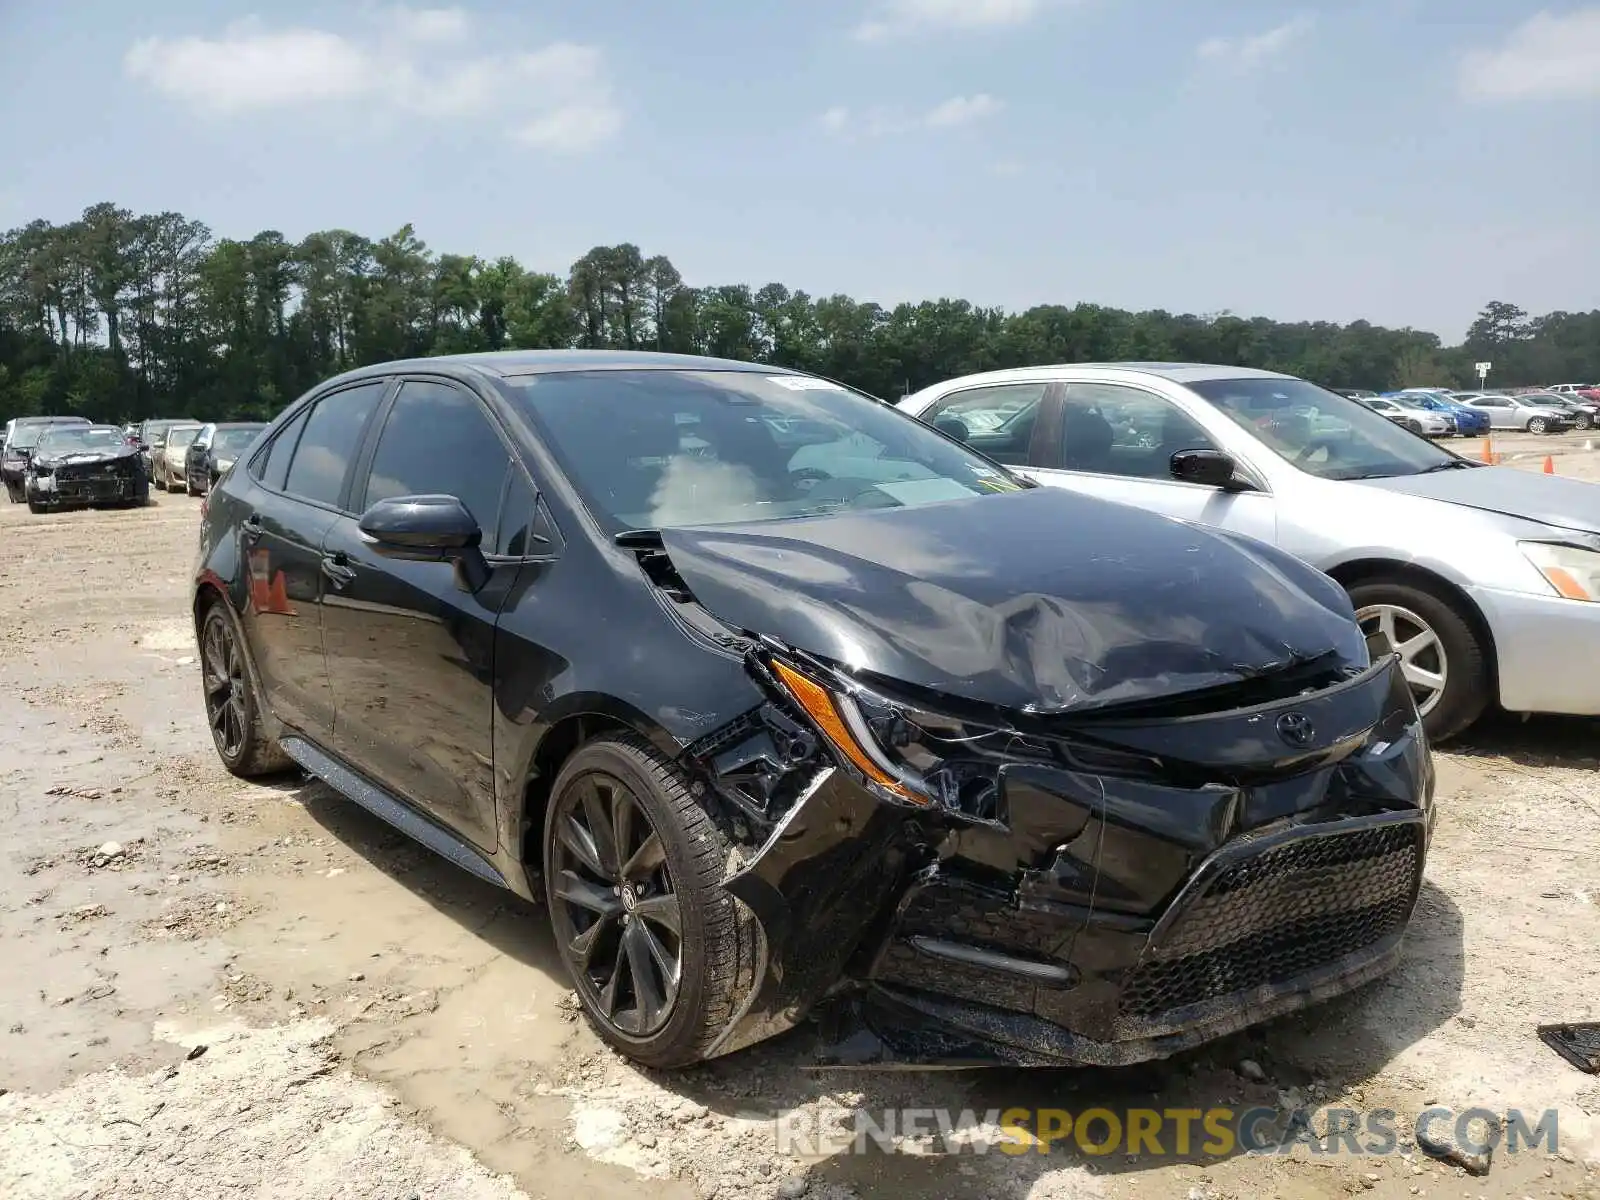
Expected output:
(1571, 570)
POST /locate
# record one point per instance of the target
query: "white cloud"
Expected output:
(250, 67)
(1244, 53)
(895, 17)
(882, 122)
(963, 110)
(430, 24)
(1547, 57)
(555, 97)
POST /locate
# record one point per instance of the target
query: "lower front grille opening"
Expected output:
(1274, 956)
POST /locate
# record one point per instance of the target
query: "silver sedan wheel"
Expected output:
(1422, 657)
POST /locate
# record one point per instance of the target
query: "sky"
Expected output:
(1401, 161)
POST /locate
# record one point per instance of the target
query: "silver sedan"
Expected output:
(1484, 578)
(1515, 412)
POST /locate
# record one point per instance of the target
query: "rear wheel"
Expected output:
(1440, 654)
(233, 707)
(659, 953)
(188, 486)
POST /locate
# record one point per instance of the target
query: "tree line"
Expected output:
(118, 316)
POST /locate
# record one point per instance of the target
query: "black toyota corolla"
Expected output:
(786, 705)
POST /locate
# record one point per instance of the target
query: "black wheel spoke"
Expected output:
(583, 946)
(667, 963)
(646, 859)
(662, 911)
(575, 889)
(649, 996)
(598, 818)
(608, 994)
(576, 839)
(622, 829)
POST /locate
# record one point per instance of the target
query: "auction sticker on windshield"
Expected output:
(804, 383)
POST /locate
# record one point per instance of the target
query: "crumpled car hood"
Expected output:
(84, 456)
(1041, 600)
(1529, 495)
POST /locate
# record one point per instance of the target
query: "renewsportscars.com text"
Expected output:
(1179, 1132)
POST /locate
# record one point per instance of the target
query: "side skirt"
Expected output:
(386, 807)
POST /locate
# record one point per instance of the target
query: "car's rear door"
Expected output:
(292, 498)
(410, 649)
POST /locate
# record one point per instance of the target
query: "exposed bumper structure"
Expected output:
(1100, 917)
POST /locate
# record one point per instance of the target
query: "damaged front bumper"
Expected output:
(1262, 859)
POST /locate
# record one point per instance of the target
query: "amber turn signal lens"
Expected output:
(819, 706)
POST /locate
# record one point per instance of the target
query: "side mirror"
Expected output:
(1212, 468)
(428, 529)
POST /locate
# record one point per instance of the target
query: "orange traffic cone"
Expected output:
(1549, 465)
(1488, 450)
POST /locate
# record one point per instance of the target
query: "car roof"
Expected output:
(508, 364)
(1177, 372)
(52, 420)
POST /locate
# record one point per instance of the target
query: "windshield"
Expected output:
(1321, 432)
(76, 439)
(27, 437)
(654, 449)
(180, 436)
(232, 441)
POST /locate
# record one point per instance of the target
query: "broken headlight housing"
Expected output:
(907, 753)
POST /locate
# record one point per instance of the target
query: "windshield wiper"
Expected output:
(1452, 465)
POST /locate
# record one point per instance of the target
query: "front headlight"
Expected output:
(1571, 570)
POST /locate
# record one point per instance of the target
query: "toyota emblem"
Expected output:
(1296, 729)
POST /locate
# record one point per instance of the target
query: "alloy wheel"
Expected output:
(1537, 425)
(616, 915)
(1422, 656)
(222, 673)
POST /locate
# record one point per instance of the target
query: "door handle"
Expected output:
(250, 527)
(337, 568)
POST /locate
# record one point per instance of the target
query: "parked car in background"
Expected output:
(79, 466)
(213, 450)
(169, 459)
(1583, 412)
(22, 435)
(1470, 422)
(151, 435)
(1567, 389)
(891, 727)
(1513, 412)
(1484, 578)
(1356, 393)
(1413, 416)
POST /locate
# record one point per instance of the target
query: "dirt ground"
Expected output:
(216, 989)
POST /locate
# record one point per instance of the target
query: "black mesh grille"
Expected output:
(1280, 914)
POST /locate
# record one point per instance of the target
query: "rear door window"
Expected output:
(998, 420)
(329, 442)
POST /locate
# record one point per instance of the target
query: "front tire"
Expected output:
(659, 953)
(1537, 425)
(188, 486)
(233, 704)
(38, 509)
(1440, 651)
